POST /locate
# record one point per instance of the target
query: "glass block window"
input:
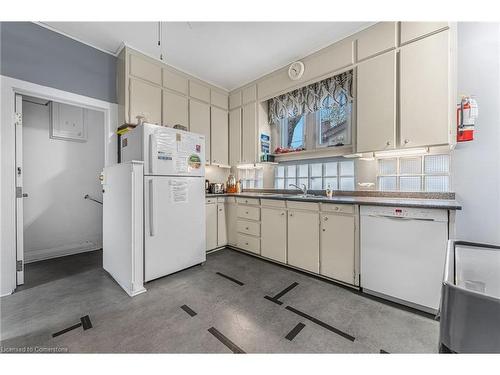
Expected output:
(316, 175)
(429, 173)
(252, 178)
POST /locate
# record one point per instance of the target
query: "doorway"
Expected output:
(60, 153)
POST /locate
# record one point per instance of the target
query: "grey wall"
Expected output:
(476, 169)
(35, 54)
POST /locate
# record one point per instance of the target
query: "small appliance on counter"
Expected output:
(216, 188)
(207, 186)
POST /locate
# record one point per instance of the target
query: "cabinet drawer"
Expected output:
(341, 208)
(210, 200)
(230, 200)
(221, 199)
(249, 212)
(302, 205)
(249, 227)
(252, 201)
(249, 243)
(144, 69)
(273, 203)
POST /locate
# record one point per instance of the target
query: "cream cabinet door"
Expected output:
(249, 133)
(211, 225)
(376, 39)
(414, 30)
(424, 92)
(231, 220)
(337, 247)
(199, 122)
(273, 234)
(376, 106)
(235, 137)
(175, 109)
(219, 136)
(145, 100)
(221, 225)
(303, 240)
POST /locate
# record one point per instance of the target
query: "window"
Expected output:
(334, 122)
(252, 178)
(429, 173)
(293, 132)
(336, 174)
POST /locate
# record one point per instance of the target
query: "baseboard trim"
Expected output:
(45, 254)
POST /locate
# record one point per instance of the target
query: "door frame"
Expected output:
(9, 87)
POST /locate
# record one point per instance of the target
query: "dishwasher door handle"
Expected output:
(402, 218)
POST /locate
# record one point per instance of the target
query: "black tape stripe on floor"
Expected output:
(223, 339)
(285, 291)
(320, 323)
(273, 300)
(187, 309)
(295, 331)
(382, 351)
(84, 322)
(230, 278)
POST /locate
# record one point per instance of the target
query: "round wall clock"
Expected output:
(296, 70)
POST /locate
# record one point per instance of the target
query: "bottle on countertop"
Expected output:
(238, 186)
(329, 191)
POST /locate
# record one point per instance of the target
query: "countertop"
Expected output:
(445, 204)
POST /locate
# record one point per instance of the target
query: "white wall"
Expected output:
(57, 175)
(476, 169)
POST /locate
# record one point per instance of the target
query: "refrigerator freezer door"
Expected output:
(174, 212)
(171, 152)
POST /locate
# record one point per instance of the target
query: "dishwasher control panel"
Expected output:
(405, 212)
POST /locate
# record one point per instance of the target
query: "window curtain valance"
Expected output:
(333, 91)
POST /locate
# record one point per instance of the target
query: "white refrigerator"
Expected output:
(173, 196)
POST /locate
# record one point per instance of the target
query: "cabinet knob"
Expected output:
(291, 214)
(246, 243)
(246, 228)
(388, 143)
(336, 208)
(325, 218)
(324, 230)
(282, 214)
(246, 212)
(407, 141)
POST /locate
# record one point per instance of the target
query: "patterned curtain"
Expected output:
(333, 91)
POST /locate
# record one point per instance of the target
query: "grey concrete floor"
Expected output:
(59, 292)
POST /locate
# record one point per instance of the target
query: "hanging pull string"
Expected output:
(160, 38)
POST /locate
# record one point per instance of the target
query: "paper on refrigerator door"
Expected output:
(179, 191)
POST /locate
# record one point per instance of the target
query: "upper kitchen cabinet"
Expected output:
(199, 122)
(175, 81)
(219, 136)
(413, 30)
(199, 91)
(175, 109)
(249, 94)
(379, 38)
(376, 107)
(144, 69)
(235, 137)
(219, 99)
(144, 101)
(249, 133)
(235, 100)
(425, 91)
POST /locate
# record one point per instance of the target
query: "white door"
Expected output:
(273, 234)
(173, 152)
(221, 225)
(174, 238)
(20, 195)
(211, 225)
(337, 247)
(303, 240)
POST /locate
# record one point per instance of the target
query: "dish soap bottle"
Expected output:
(329, 192)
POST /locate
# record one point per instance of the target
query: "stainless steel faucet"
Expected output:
(303, 188)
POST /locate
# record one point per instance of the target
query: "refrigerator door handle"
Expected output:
(153, 153)
(152, 221)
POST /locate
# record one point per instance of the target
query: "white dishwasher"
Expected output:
(403, 252)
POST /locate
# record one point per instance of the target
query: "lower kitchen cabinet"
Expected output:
(273, 233)
(221, 225)
(303, 240)
(231, 221)
(337, 247)
(211, 224)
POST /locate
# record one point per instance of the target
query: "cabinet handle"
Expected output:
(325, 218)
(246, 228)
(246, 212)
(336, 208)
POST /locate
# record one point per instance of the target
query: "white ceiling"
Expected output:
(226, 54)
